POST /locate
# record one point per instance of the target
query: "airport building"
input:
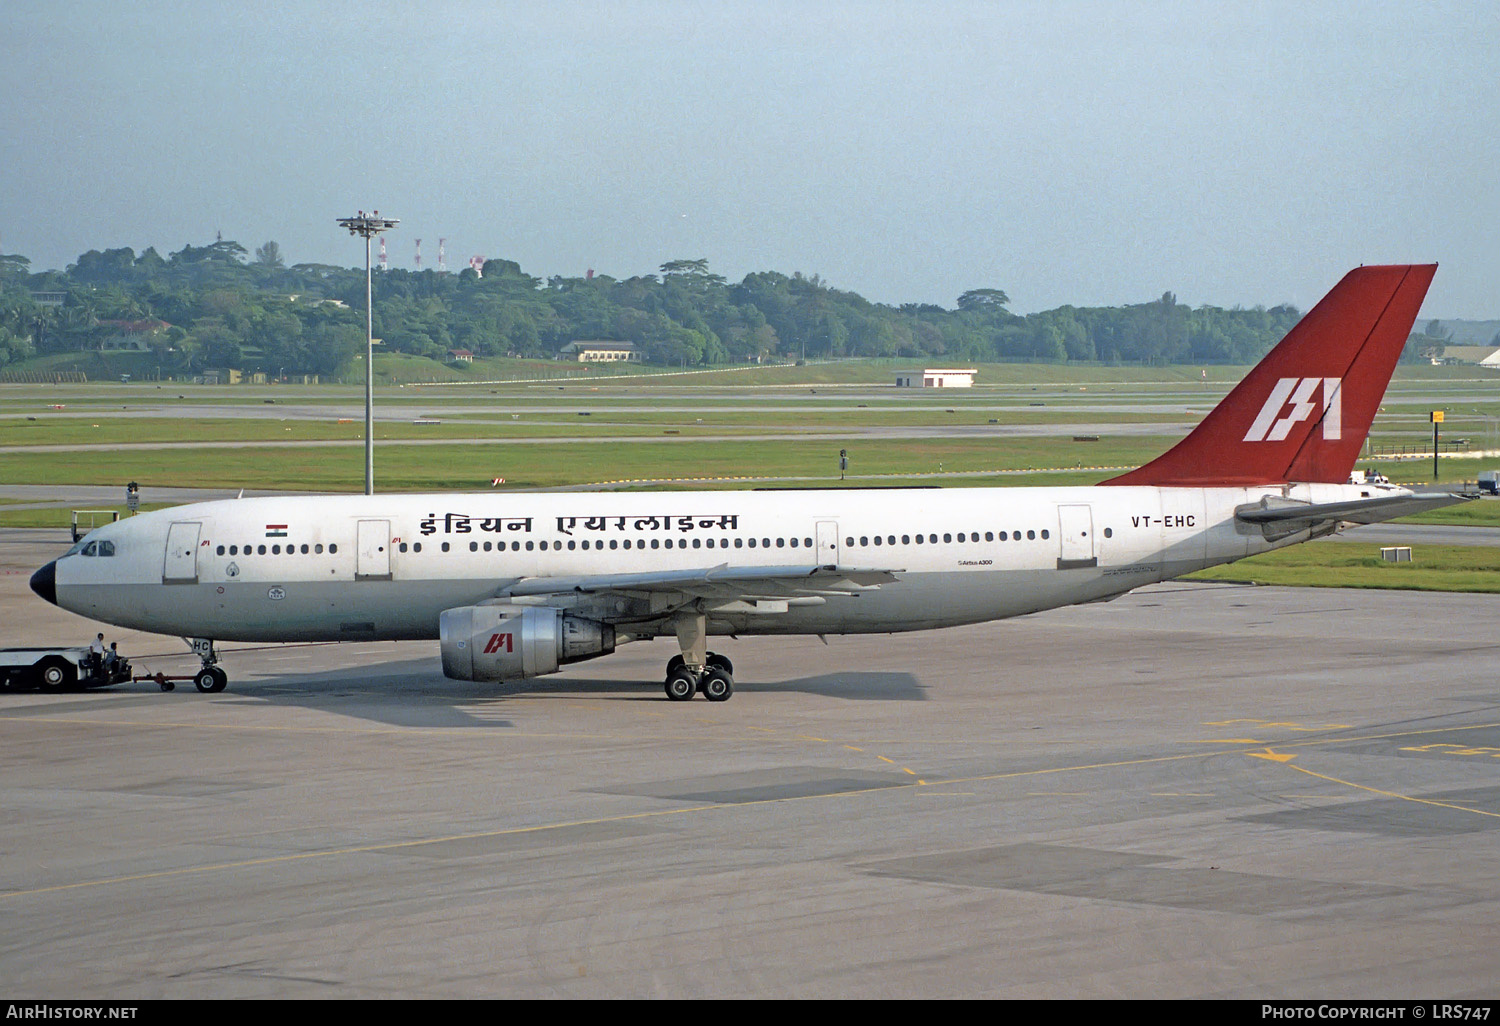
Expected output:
(938, 377)
(600, 352)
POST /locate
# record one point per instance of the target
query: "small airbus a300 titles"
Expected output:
(518, 585)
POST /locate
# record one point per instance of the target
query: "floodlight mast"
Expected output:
(369, 225)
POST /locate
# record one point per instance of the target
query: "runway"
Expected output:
(1196, 791)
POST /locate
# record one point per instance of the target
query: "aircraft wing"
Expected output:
(717, 584)
(1284, 513)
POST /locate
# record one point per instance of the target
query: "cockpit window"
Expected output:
(91, 549)
(106, 548)
(98, 547)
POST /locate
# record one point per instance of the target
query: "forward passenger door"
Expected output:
(181, 566)
(373, 551)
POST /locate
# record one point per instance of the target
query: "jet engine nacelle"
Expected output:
(511, 642)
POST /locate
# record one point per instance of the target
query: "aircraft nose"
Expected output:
(44, 582)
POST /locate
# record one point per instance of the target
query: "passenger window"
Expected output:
(1031, 535)
(1046, 534)
(445, 546)
(221, 550)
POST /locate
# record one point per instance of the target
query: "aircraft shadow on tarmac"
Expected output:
(410, 693)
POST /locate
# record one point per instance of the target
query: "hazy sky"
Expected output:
(1066, 152)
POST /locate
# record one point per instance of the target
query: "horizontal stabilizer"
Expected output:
(1374, 510)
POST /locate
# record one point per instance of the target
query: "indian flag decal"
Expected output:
(275, 530)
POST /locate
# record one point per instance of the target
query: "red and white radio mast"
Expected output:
(442, 258)
(419, 254)
(383, 266)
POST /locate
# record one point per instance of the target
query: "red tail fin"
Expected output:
(1303, 412)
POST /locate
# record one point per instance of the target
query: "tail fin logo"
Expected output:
(1273, 425)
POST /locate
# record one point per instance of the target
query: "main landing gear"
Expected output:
(697, 669)
(715, 678)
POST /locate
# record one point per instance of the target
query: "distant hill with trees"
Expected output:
(217, 305)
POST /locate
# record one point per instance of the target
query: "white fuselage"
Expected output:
(362, 568)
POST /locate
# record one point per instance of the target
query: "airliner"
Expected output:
(517, 585)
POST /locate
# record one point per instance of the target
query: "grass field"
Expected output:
(460, 466)
(1346, 565)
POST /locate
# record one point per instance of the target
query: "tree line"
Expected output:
(218, 305)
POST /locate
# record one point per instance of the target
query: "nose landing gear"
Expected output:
(211, 679)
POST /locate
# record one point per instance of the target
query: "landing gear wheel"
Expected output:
(716, 685)
(720, 662)
(682, 685)
(674, 664)
(210, 680)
